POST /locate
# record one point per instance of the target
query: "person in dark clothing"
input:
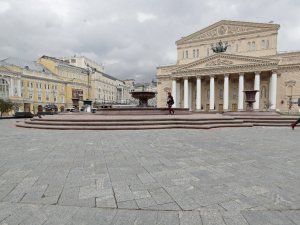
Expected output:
(295, 123)
(170, 102)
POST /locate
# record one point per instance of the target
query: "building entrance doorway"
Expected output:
(234, 107)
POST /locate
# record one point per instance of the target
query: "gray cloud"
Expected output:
(131, 38)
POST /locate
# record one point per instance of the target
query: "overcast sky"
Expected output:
(129, 37)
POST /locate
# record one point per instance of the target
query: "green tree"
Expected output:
(6, 106)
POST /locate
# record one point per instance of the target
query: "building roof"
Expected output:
(22, 63)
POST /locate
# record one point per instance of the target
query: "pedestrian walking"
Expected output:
(170, 102)
(295, 123)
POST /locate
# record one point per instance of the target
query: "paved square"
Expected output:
(226, 176)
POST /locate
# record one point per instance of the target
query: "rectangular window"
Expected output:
(187, 54)
(263, 44)
(194, 53)
(249, 46)
(197, 53)
(253, 48)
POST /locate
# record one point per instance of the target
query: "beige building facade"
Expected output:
(202, 80)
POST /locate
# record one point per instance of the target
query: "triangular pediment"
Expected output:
(223, 60)
(226, 28)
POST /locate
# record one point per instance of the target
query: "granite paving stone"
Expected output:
(225, 176)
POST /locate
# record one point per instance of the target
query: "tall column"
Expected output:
(226, 92)
(190, 95)
(19, 87)
(198, 94)
(273, 90)
(257, 87)
(11, 87)
(178, 97)
(186, 93)
(212, 93)
(241, 92)
(174, 92)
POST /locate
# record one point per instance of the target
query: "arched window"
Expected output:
(229, 48)
(253, 46)
(249, 46)
(4, 92)
(263, 44)
(263, 92)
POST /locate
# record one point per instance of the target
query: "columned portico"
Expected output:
(226, 93)
(212, 93)
(198, 94)
(174, 92)
(186, 93)
(241, 92)
(257, 87)
(273, 90)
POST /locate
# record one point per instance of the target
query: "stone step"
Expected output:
(130, 123)
(134, 127)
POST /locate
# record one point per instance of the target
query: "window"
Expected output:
(3, 89)
(30, 95)
(197, 53)
(229, 48)
(253, 48)
(249, 46)
(187, 54)
(237, 47)
(234, 93)
(267, 44)
(263, 44)
(221, 93)
(194, 53)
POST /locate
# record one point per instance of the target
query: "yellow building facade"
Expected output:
(203, 80)
(52, 84)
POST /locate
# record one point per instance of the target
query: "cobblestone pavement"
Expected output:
(239, 176)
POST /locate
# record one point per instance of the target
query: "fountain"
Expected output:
(143, 97)
(250, 98)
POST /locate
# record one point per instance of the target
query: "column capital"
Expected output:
(199, 77)
(274, 71)
(241, 74)
(257, 72)
(212, 76)
(226, 75)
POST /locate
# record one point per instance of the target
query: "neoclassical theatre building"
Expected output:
(208, 81)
